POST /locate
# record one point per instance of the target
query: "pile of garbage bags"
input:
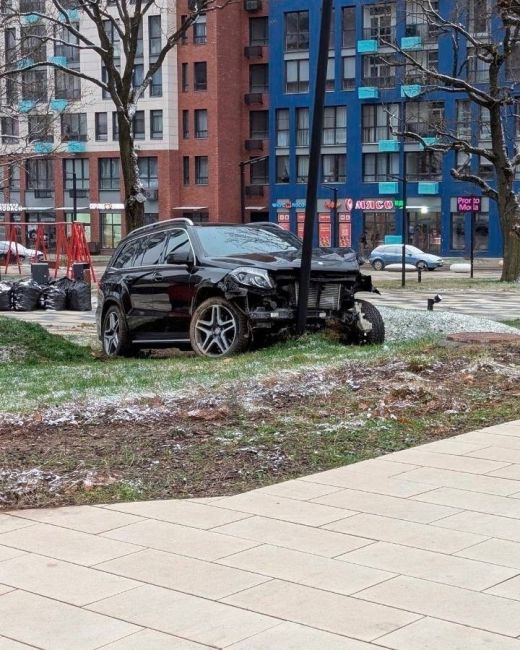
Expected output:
(27, 295)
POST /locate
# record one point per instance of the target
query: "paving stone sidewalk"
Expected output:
(417, 550)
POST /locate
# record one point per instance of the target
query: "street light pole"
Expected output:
(314, 166)
(404, 224)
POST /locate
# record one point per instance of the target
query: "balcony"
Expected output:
(253, 98)
(411, 90)
(43, 147)
(253, 51)
(388, 146)
(254, 190)
(58, 105)
(254, 145)
(426, 187)
(76, 146)
(252, 5)
(368, 92)
(388, 187)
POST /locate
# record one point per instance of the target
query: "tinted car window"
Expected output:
(229, 240)
(178, 242)
(126, 257)
(153, 247)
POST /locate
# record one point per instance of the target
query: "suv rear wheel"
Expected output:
(114, 333)
(218, 329)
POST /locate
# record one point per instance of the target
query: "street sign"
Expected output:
(469, 203)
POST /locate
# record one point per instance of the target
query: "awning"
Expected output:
(257, 208)
(191, 208)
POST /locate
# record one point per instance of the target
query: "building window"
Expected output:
(258, 31)
(379, 71)
(259, 124)
(14, 177)
(40, 128)
(186, 170)
(259, 172)
(297, 30)
(138, 126)
(330, 80)
(457, 242)
(40, 174)
(302, 127)
(421, 165)
(463, 127)
(282, 127)
(110, 229)
(105, 93)
(302, 169)
(201, 170)
(258, 78)
(200, 76)
(34, 85)
(424, 118)
(484, 125)
(199, 30)
(333, 168)
(33, 43)
(113, 37)
(379, 122)
(201, 123)
(282, 169)
(379, 21)
(10, 130)
(148, 172)
(335, 125)
(185, 124)
(297, 76)
(80, 167)
(478, 70)
(349, 72)
(137, 75)
(185, 78)
(101, 126)
(139, 49)
(68, 46)
(156, 125)
(156, 84)
(349, 27)
(380, 167)
(154, 36)
(479, 15)
(115, 126)
(66, 86)
(74, 127)
(109, 174)
(184, 35)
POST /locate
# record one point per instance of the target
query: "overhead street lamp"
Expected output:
(242, 165)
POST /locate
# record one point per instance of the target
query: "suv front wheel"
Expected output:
(218, 329)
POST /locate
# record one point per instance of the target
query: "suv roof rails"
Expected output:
(151, 226)
(264, 223)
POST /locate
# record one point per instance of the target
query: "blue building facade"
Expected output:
(370, 96)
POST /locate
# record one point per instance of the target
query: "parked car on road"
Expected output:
(218, 287)
(22, 252)
(392, 254)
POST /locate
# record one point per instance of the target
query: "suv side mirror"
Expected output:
(180, 258)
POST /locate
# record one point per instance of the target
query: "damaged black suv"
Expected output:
(217, 288)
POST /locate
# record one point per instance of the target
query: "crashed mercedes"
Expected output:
(218, 288)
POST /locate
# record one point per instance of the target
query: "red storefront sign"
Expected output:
(284, 221)
(300, 224)
(324, 230)
(344, 229)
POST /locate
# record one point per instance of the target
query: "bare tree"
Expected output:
(115, 28)
(481, 41)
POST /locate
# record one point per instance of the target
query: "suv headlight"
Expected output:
(252, 277)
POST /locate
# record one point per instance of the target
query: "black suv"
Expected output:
(219, 287)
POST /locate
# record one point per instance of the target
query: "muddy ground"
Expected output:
(253, 433)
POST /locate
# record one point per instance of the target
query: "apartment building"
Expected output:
(192, 128)
(371, 95)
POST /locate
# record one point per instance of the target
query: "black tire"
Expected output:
(115, 339)
(422, 266)
(218, 329)
(376, 336)
(378, 265)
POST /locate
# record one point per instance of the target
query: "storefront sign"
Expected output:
(107, 206)
(284, 220)
(287, 204)
(469, 203)
(374, 204)
(344, 230)
(10, 207)
(324, 229)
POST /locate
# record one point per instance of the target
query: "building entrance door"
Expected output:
(376, 225)
(424, 231)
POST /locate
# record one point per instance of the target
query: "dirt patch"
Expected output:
(248, 434)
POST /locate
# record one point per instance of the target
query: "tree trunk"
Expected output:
(134, 197)
(509, 218)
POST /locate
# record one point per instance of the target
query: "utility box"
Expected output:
(40, 272)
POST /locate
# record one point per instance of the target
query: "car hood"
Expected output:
(322, 260)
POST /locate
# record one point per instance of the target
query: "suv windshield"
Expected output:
(221, 241)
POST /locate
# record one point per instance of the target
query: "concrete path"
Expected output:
(418, 550)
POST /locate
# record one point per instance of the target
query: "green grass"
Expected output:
(48, 370)
(513, 323)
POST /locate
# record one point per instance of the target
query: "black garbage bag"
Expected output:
(53, 297)
(63, 283)
(79, 296)
(26, 294)
(6, 296)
